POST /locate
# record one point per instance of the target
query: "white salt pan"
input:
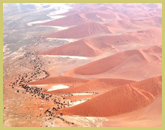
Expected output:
(56, 87)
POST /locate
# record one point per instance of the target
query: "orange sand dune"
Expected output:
(80, 31)
(120, 100)
(98, 85)
(59, 80)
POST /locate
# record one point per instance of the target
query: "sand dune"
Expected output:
(120, 100)
(99, 15)
(148, 36)
(155, 21)
(111, 62)
(98, 85)
(125, 64)
(87, 65)
(80, 31)
(59, 80)
(121, 24)
(96, 46)
(134, 24)
(149, 116)
(79, 48)
(152, 36)
(73, 19)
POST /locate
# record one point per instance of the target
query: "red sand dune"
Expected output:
(132, 64)
(95, 46)
(79, 48)
(153, 36)
(123, 25)
(111, 11)
(106, 15)
(153, 53)
(155, 21)
(99, 15)
(59, 80)
(93, 16)
(120, 100)
(91, 13)
(152, 86)
(80, 31)
(69, 20)
(105, 64)
(149, 116)
(98, 85)
(149, 36)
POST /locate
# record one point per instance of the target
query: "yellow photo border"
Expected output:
(76, 1)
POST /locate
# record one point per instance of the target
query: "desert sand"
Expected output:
(82, 65)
